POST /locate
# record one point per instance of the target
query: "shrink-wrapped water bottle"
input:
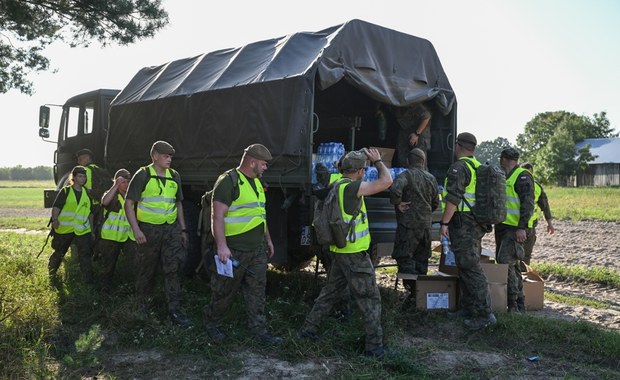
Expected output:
(447, 251)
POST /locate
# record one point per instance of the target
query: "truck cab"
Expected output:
(83, 124)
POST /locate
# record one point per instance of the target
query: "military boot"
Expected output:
(480, 322)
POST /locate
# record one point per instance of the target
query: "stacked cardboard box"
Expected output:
(497, 277)
(434, 292)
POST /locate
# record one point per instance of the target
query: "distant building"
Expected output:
(605, 169)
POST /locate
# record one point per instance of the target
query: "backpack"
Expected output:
(490, 207)
(204, 219)
(329, 227)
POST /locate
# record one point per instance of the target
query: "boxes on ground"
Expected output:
(497, 280)
(434, 292)
(386, 155)
(534, 290)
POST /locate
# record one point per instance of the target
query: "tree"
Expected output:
(489, 151)
(549, 139)
(28, 26)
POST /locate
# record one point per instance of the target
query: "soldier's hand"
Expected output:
(140, 238)
(521, 235)
(223, 253)
(184, 239)
(413, 139)
(443, 231)
(403, 206)
(270, 249)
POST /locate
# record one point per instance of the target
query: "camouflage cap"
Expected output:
(510, 153)
(84, 151)
(354, 160)
(258, 151)
(162, 147)
(467, 137)
(417, 152)
(122, 173)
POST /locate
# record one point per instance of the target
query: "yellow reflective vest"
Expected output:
(157, 203)
(116, 227)
(537, 192)
(470, 189)
(361, 229)
(513, 203)
(73, 217)
(247, 211)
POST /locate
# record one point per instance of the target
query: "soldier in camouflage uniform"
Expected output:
(540, 197)
(512, 233)
(352, 265)
(415, 195)
(239, 226)
(413, 132)
(465, 234)
(153, 209)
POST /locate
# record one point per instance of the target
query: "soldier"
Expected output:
(97, 181)
(351, 265)
(116, 235)
(71, 223)
(414, 131)
(239, 225)
(541, 200)
(465, 234)
(154, 211)
(415, 196)
(510, 235)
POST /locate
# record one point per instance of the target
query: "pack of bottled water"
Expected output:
(328, 154)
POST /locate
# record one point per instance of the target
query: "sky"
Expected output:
(506, 60)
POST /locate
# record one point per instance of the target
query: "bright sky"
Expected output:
(506, 60)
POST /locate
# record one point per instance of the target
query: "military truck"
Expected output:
(341, 84)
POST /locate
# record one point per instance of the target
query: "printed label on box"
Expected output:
(437, 301)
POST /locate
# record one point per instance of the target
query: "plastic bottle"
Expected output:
(447, 251)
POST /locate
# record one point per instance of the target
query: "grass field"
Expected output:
(585, 203)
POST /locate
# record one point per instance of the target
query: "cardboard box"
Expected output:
(434, 292)
(386, 155)
(499, 296)
(497, 280)
(534, 291)
(497, 273)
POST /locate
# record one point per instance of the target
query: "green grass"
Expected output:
(68, 331)
(584, 203)
(597, 275)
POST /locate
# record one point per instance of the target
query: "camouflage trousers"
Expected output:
(163, 247)
(509, 251)
(251, 277)
(109, 252)
(412, 249)
(465, 239)
(528, 245)
(61, 244)
(356, 271)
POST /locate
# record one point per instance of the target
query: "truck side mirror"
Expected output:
(44, 133)
(44, 118)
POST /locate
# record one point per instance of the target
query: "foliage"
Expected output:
(549, 139)
(489, 151)
(19, 173)
(28, 26)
